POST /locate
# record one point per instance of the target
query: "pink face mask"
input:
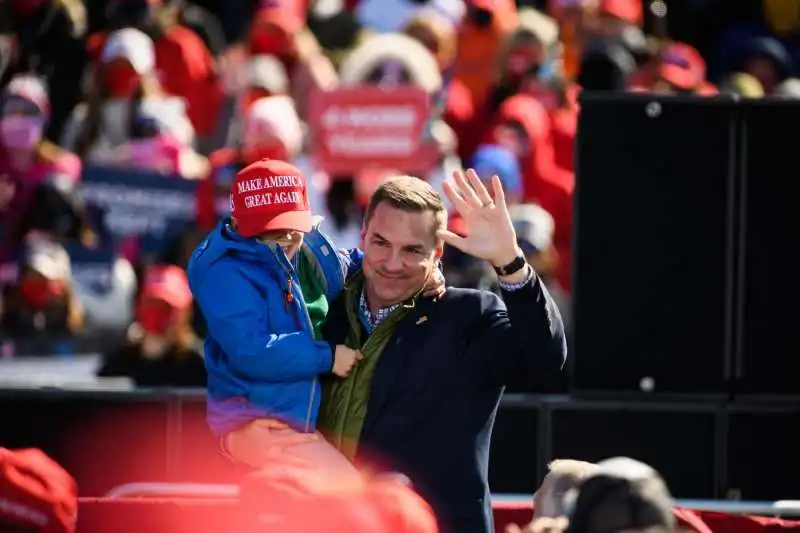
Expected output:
(19, 132)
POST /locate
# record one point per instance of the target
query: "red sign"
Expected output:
(360, 127)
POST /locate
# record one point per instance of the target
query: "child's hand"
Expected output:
(344, 359)
(435, 287)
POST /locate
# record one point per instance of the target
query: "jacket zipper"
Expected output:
(291, 273)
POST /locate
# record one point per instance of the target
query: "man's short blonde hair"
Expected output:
(410, 194)
(563, 475)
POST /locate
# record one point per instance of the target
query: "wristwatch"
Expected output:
(513, 267)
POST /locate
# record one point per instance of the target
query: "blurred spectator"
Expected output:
(615, 17)
(681, 70)
(293, 498)
(185, 66)
(161, 349)
(563, 475)
(36, 493)
(343, 212)
(780, 20)
(50, 38)
(605, 66)
(790, 89)
(57, 210)
(453, 102)
(742, 84)
(622, 494)
(271, 129)
(767, 60)
(126, 100)
(526, 60)
(490, 160)
(523, 126)
(280, 31)
(481, 34)
(42, 304)
(535, 229)
(26, 159)
(264, 76)
(576, 21)
(200, 21)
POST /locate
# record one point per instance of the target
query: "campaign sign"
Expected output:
(146, 206)
(357, 127)
(93, 268)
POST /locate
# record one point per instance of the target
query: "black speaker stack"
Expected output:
(687, 255)
(686, 333)
(686, 347)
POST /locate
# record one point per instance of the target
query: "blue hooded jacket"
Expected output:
(260, 352)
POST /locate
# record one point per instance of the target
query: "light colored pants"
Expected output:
(265, 443)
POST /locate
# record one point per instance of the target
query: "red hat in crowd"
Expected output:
(682, 66)
(36, 493)
(270, 195)
(630, 11)
(167, 283)
(298, 499)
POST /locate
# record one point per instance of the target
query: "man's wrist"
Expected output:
(507, 257)
(520, 276)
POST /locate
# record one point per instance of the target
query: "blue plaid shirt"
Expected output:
(369, 320)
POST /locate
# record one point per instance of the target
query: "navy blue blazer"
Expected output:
(437, 386)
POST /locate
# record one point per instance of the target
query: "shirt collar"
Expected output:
(370, 320)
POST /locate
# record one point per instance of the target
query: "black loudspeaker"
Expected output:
(515, 447)
(653, 246)
(678, 440)
(762, 446)
(768, 356)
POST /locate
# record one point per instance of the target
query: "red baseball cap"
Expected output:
(630, 11)
(36, 493)
(682, 66)
(270, 195)
(169, 284)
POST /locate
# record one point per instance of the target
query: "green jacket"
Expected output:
(345, 400)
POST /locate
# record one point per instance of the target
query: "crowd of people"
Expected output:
(195, 91)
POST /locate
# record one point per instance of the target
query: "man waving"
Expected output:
(423, 398)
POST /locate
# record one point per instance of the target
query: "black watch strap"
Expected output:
(513, 267)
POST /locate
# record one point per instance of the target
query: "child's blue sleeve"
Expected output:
(353, 260)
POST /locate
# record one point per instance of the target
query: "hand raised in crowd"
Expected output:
(435, 286)
(344, 359)
(491, 234)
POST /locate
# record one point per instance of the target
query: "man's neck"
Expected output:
(375, 304)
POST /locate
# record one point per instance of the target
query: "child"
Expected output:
(263, 280)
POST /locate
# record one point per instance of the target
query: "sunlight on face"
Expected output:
(401, 251)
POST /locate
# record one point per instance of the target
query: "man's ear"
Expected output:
(438, 252)
(363, 240)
